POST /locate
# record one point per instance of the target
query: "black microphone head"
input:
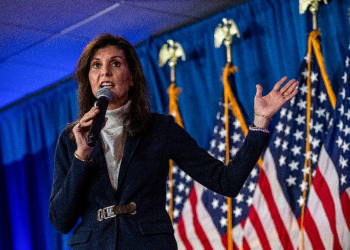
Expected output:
(104, 96)
(104, 92)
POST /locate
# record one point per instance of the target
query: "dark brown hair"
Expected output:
(136, 119)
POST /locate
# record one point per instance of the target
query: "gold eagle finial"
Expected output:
(225, 32)
(304, 5)
(171, 52)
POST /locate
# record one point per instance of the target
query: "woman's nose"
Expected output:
(106, 71)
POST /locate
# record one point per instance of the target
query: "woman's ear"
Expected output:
(131, 82)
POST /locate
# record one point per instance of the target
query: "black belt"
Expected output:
(113, 211)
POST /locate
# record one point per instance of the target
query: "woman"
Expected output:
(118, 187)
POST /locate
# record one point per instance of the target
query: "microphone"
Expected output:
(104, 96)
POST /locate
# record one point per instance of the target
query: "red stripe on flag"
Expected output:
(276, 217)
(245, 244)
(243, 222)
(255, 220)
(322, 189)
(345, 204)
(224, 242)
(182, 233)
(198, 228)
(312, 231)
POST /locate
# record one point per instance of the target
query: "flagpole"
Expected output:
(172, 51)
(223, 34)
(314, 9)
(314, 6)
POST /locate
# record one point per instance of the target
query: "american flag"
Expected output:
(203, 220)
(329, 201)
(279, 204)
(294, 204)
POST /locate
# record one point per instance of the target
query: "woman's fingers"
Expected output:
(289, 86)
(289, 91)
(87, 119)
(280, 83)
(259, 90)
(291, 95)
(89, 116)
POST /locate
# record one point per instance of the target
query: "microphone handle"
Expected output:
(96, 126)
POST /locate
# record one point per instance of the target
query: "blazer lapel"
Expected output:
(129, 150)
(99, 157)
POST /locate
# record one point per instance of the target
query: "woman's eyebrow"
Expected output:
(96, 58)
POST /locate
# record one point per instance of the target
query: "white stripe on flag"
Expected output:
(263, 212)
(307, 243)
(180, 244)
(237, 235)
(252, 238)
(328, 170)
(187, 217)
(320, 218)
(206, 220)
(287, 215)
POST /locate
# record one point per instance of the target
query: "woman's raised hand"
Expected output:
(267, 106)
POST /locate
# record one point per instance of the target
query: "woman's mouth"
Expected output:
(107, 85)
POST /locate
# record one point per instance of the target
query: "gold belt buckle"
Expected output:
(105, 213)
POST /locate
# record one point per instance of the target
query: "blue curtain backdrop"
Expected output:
(272, 44)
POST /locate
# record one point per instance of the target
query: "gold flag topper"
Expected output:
(225, 32)
(171, 53)
(304, 4)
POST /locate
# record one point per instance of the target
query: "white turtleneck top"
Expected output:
(113, 141)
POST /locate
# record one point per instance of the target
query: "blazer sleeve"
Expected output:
(210, 172)
(70, 184)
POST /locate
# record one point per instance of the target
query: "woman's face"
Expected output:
(109, 69)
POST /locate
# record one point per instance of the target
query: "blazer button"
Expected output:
(133, 205)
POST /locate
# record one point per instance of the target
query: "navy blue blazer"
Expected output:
(80, 188)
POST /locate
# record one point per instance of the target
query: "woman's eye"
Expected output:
(96, 65)
(116, 64)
